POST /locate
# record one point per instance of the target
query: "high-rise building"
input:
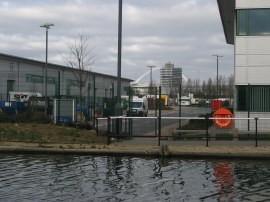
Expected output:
(170, 78)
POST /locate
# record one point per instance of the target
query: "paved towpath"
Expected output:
(154, 141)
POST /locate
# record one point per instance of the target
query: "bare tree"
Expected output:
(231, 86)
(81, 59)
(210, 90)
(189, 86)
(204, 89)
(197, 88)
(222, 86)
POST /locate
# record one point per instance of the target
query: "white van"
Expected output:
(139, 106)
(22, 96)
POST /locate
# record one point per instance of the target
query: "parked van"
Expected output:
(22, 96)
(139, 106)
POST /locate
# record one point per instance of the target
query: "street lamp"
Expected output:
(151, 85)
(47, 26)
(218, 56)
(119, 58)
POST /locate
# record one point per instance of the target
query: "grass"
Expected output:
(18, 135)
(47, 133)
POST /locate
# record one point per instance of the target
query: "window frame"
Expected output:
(243, 22)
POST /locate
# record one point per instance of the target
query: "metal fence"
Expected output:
(175, 131)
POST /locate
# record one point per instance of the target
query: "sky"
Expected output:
(186, 33)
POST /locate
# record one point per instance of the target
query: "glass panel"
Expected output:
(242, 22)
(259, 23)
(241, 98)
(28, 78)
(253, 22)
(259, 98)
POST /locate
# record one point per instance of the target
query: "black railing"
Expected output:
(157, 131)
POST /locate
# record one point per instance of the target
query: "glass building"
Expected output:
(246, 25)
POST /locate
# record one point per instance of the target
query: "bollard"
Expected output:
(109, 131)
(159, 116)
(256, 132)
(206, 119)
(159, 128)
(97, 127)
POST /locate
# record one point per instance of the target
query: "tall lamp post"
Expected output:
(151, 84)
(47, 26)
(119, 58)
(218, 56)
(118, 108)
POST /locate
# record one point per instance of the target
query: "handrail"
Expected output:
(182, 118)
(160, 118)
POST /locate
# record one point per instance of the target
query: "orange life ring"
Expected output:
(223, 123)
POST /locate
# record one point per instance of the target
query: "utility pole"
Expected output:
(47, 26)
(119, 60)
(218, 56)
(151, 85)
(118, 109)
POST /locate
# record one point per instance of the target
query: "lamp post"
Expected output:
(119, 60)
(218, 56)
(47, 26)
(118, 108)
(151, 85)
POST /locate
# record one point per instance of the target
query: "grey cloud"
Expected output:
(185, 32)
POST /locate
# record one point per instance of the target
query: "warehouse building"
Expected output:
(27, 75)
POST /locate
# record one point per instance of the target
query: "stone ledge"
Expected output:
(235, 152)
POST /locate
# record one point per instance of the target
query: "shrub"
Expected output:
(25, 117)
(195, 124)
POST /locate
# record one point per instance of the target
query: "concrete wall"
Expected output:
(252, 60)
(252, 4)
(263, 124)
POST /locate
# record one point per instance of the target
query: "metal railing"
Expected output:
(157, 131)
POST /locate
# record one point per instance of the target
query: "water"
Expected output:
(92, 178)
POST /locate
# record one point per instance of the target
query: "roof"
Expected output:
(51, 65)
(227, 10)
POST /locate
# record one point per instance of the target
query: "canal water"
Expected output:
(106, 178)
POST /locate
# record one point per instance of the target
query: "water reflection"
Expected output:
(90, 178)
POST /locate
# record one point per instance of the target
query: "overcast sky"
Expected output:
(185, 33)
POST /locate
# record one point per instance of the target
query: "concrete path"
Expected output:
(154, 141)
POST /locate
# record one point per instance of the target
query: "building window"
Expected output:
(31, 78)
(242, 98)
(253, 22)
(75, 83)
(11, 67)
(253, 98)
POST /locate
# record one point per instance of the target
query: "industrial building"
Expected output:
(246, 26)
(22, 74)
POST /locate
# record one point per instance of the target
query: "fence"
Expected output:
(176, 131)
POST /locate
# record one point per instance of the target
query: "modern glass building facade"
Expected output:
(253, 22)
(246, 25)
